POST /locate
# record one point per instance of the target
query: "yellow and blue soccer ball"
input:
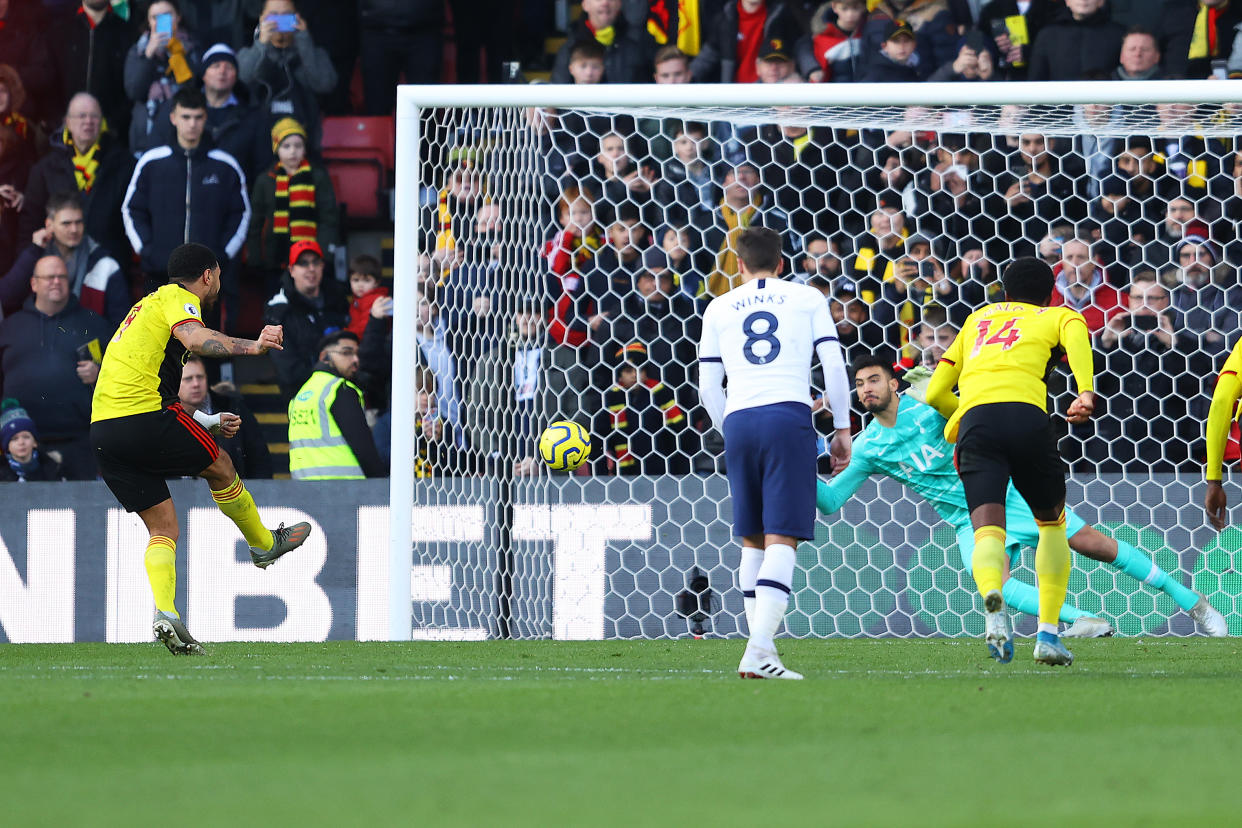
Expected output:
(564, 445)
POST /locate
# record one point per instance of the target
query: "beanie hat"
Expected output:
(219, 52)
(13, 421)
(1200, 241)
(283, 129)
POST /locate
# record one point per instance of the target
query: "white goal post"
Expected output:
(993, 109)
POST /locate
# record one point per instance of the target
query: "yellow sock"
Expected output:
(161, 562)
(239, 506)
(988, 561)
(1052, 567)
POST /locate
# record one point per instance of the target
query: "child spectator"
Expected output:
(896, 61)
(364, 283)
(293, 202)
(838, 45)
(586, 62)
(20, 446)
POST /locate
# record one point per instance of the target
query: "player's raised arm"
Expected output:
(199, 339)
(1220, 415)
(940, 394)
(1077, 342)
(836, 384)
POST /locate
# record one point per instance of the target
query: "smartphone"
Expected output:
(1145, 322)
(284, 22)
(1220, 70)
(927, 271)
(163, 23)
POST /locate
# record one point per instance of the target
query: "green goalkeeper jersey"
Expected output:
(913, 452)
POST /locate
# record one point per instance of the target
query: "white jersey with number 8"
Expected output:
(764, 333)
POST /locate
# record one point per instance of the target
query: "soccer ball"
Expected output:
(564, 445)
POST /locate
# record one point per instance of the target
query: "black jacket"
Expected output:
(1038, 15)
(1179, 30)
(716, 61)
(92, 59)
(48, 468)
(402, 14)
(1069, 49)
(627, 60)
(305, 324)
(38, 366)
(238, 128)
(102, 205)
(178, 196)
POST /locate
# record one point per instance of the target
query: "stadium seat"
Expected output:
(359, 154)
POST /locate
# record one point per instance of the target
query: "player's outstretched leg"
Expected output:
(1139, 565)
(284, 539)
(1052, 566)
(1022, 597)
(772, 589)
(266, 545)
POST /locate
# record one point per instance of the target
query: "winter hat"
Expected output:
(220, 51)
(283, 129)
(1201, 242)
(13, 421)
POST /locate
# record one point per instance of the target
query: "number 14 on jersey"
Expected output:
(1006, 337)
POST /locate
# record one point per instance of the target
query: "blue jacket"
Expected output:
(177, 196)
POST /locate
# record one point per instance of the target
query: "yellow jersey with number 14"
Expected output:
(1004, 352)
(141, 369)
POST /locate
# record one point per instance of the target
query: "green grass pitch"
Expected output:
(921, 733)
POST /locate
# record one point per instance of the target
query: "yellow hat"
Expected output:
(283, 129)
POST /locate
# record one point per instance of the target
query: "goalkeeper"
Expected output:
(905, 441)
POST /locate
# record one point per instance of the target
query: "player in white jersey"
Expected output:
(761, 335)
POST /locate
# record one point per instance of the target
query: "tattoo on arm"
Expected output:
(214, 343)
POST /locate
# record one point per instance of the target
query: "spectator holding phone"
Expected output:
(285, 69)
(164, 58)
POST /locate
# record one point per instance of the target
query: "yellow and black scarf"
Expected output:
(85, 164)
(1203, 41)
(724, 278)
(294, 215)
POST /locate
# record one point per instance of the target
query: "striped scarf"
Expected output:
(18, 124)
(294, 215)
(1203, 38)
(85, 165)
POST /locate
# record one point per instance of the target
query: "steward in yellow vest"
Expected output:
(328, 434)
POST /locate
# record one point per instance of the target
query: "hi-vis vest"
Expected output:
(317, 451)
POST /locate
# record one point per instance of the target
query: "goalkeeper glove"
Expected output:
(919, 378)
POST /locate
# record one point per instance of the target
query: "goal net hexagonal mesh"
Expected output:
(565, 254)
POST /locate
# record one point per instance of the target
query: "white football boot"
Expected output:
(764, 664)
(1086, 626)
(1209, 618)
(998, 629)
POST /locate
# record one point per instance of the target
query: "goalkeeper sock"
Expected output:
(239, 506)
(1052, 567)
(161, 563)
(1137, 564)
(1023, 597)
(747, 575)
(772, 588)
(988, 561)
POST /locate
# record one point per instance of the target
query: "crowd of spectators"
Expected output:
(129, 127)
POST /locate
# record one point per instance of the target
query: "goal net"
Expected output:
(556, 247)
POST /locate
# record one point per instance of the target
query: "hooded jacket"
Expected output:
(91, 58)
(305, 323)
(177, 196)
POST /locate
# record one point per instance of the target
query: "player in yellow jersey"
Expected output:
(999, 362)
(141, 435)
(1220, 415)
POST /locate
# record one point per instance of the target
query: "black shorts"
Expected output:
(999, 442)
(139, 452)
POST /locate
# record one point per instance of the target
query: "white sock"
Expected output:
(747, 574)
(1051, 629)
(772, 594)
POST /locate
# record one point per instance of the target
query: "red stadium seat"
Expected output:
(359, 154)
